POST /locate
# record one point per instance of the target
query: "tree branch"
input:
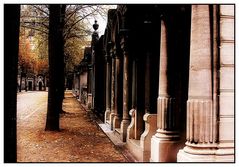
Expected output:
(38, 8)
(34, 28)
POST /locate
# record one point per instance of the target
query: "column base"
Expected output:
(164, 148)
(89, 101)
(205, 153)
(112, 115)
(116, 122)
(107, 116)
(226, 152)
(123, 129)
(186, 157)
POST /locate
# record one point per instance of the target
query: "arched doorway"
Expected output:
(30, 85)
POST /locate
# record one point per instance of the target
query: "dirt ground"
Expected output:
(80, 138)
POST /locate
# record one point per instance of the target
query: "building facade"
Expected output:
(80, 77)
(31, 82)
(162, 79)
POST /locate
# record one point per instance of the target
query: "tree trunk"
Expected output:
(62, 60)
(56, 52)
(11, 44)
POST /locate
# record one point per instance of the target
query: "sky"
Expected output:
(101, 21)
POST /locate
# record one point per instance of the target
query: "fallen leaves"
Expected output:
(79, 140)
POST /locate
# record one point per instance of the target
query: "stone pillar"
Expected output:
(134, 87)
(112, 112)
(126, 90)
(118, 90)
(164, 143)
(79, 76)
(201, 135)
(77, 84)
(108, 88)
(134, 130)
(140, 95)
(89, 87)
(94, 41)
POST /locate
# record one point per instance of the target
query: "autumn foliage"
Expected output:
(25, 53)
(29, 60)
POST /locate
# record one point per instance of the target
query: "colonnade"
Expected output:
(168, 81)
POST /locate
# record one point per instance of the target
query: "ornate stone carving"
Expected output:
(166, 115)
(145, 139)
(131, 127)
(201, 122)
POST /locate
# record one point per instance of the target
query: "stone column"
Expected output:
(126, 118)
(94, 41)
(108, 88)
(134, 87)
(118, 90)
(140, 95)
(201, 117)
(89, 86)
(164, 142)
(133, 128)
(112, 112)
(149, 64)
(78, 84)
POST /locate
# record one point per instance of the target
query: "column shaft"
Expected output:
(134, 88)
(126, 118)
(201, 131)
(108, 89)
(112, 113)
(108, 82)
(126, 87)
(118, 92)
(164, 143)
(199, 104)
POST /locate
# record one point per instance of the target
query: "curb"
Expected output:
(119, 145)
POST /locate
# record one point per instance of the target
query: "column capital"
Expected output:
(108, 58)
(117, 53)
(108, 54)
(124, 39)
(112, 53)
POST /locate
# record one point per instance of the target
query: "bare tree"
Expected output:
(67, 32)
(76, 29)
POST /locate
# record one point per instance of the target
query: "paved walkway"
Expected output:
(80, 138)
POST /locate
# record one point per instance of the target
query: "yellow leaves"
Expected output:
(30, 59)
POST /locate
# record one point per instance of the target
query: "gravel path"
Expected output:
(80, 139)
